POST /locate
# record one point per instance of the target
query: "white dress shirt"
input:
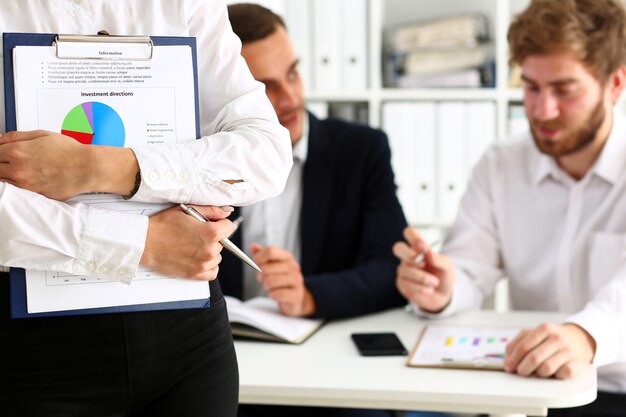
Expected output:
(242, 138)
(276, 222)
(561, 242)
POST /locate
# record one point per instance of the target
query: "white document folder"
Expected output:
(423, 117)
(298, 21)
(327, 48)
(451, 139)
(354, 44)
(393, 125)
(481, 130)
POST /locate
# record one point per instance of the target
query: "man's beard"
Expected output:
(574, 141)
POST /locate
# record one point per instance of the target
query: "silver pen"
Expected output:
(237, 222)
(226, 243)
(420, 257)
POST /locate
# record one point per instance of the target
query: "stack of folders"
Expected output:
(448, 52)
(330, 38)
(434, 146)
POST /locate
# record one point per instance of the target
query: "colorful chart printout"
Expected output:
(94, 123)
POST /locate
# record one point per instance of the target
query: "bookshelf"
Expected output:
(386, 13)
(374, 95)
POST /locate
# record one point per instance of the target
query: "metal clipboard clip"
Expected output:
(104, 47)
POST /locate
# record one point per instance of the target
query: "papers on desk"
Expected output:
(260, 318)
(462, 347)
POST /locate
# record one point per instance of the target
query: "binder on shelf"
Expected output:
(30, 87)
(354, 44)
(298, 21)
(327, 50)
(424, 116)
(393, 125)
(451, 132)
(408, 194)
(481, 130)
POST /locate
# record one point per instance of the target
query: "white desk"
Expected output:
(327, 371)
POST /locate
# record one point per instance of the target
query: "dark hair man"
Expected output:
(324, 245)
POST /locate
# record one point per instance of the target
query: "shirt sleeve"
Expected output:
(604, 318)
(472, 243)
(241, 136)
(39, 233)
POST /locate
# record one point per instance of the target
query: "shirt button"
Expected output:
(104, 269)
(123, 272)
(184, 176)
(154, 176)
(90, 266)
(169, 175)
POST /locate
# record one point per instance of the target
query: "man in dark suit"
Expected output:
(324, 245)
(339, 205)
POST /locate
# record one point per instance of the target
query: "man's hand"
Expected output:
(282, 280)
(429, 283)
(550, 350)
(179, 245)
(59, 167)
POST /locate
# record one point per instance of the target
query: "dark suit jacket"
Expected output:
(350, 219)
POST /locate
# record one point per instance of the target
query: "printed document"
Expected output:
(462, 347)
(114, 103)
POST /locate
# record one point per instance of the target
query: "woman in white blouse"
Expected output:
(150, 363)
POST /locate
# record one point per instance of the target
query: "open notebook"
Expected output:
(260, 318)
(464, 347)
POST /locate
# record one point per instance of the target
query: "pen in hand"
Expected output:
(237, 222)
(226, 243)
(420, 257)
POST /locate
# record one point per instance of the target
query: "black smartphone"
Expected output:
(378, 344)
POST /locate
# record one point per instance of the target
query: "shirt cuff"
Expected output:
(111, 245)
(167, 174)
(605, 331)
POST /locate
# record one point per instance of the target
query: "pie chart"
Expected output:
(94, 123)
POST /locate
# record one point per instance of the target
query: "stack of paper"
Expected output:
(442, 52)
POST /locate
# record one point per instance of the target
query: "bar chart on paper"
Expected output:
(462, 346)
(94, 123)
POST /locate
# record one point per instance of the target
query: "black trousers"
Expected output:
(165, 363)
(606, 405)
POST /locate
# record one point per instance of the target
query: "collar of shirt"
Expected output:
(301, 148)
(276, 221)
(608, 166)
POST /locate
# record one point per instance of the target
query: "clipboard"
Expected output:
(144, 47)
(461, 347)
(11, 40)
